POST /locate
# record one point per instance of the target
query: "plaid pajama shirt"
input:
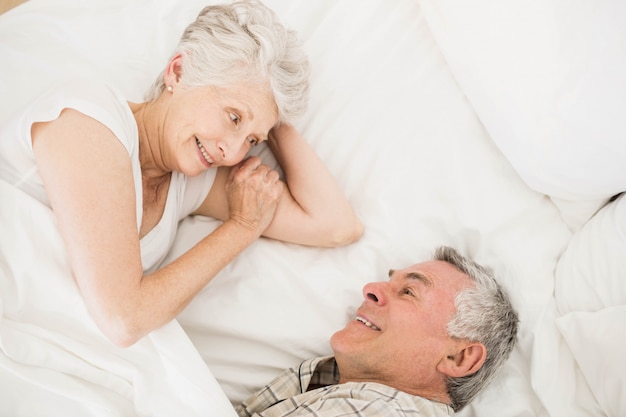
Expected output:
(287, 395)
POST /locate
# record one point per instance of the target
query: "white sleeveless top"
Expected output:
(105, 104)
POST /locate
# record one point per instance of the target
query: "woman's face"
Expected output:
(207, 127)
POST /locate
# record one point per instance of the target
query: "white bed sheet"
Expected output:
(393, 125)
(52, 355)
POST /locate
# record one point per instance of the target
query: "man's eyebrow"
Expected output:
(421, 277)
(415, 275)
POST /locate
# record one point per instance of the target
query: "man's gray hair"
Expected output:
(244, 42)
(483, 314)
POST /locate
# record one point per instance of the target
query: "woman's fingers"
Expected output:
(253, 191)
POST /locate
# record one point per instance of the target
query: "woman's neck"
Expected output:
(152, 170)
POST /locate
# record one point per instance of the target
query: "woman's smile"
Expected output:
(205, 157)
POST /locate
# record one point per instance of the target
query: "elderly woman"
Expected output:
(119, 176)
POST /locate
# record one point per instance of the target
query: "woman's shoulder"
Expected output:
(100, 101)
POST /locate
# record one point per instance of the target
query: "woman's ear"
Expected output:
(466, 361)
(173, 71)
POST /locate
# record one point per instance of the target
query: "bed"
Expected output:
(494, 127)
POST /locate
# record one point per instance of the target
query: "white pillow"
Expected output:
(546, 77)
(597, 341)
(590, 273)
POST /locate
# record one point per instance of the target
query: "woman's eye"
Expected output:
(235, 119)
(253, 141)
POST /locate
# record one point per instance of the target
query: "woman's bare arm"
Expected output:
(88, 178)
(313, 210)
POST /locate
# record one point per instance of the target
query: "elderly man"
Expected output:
(423, 343)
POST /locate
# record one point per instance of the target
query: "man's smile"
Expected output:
(367, 323)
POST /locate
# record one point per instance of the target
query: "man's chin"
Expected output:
(333, 339)
(344, 341)
(338, 341)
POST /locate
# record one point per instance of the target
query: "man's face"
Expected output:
(399, 333)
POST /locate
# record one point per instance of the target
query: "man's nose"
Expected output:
(374, 291)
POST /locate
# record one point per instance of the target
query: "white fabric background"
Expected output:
(391, 117)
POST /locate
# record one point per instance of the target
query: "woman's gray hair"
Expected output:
(483, 314)
(244, 42)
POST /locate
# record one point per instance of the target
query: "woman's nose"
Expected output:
(224, 149)
(374, 291)
(230, 150)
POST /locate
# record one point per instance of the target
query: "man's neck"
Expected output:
(434, 390)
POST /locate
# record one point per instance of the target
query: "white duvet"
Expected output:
(396, 125)
(54, 359)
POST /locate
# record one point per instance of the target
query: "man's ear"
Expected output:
(466, 361)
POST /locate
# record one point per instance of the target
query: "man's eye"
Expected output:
(408, 291)
(234, 118)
